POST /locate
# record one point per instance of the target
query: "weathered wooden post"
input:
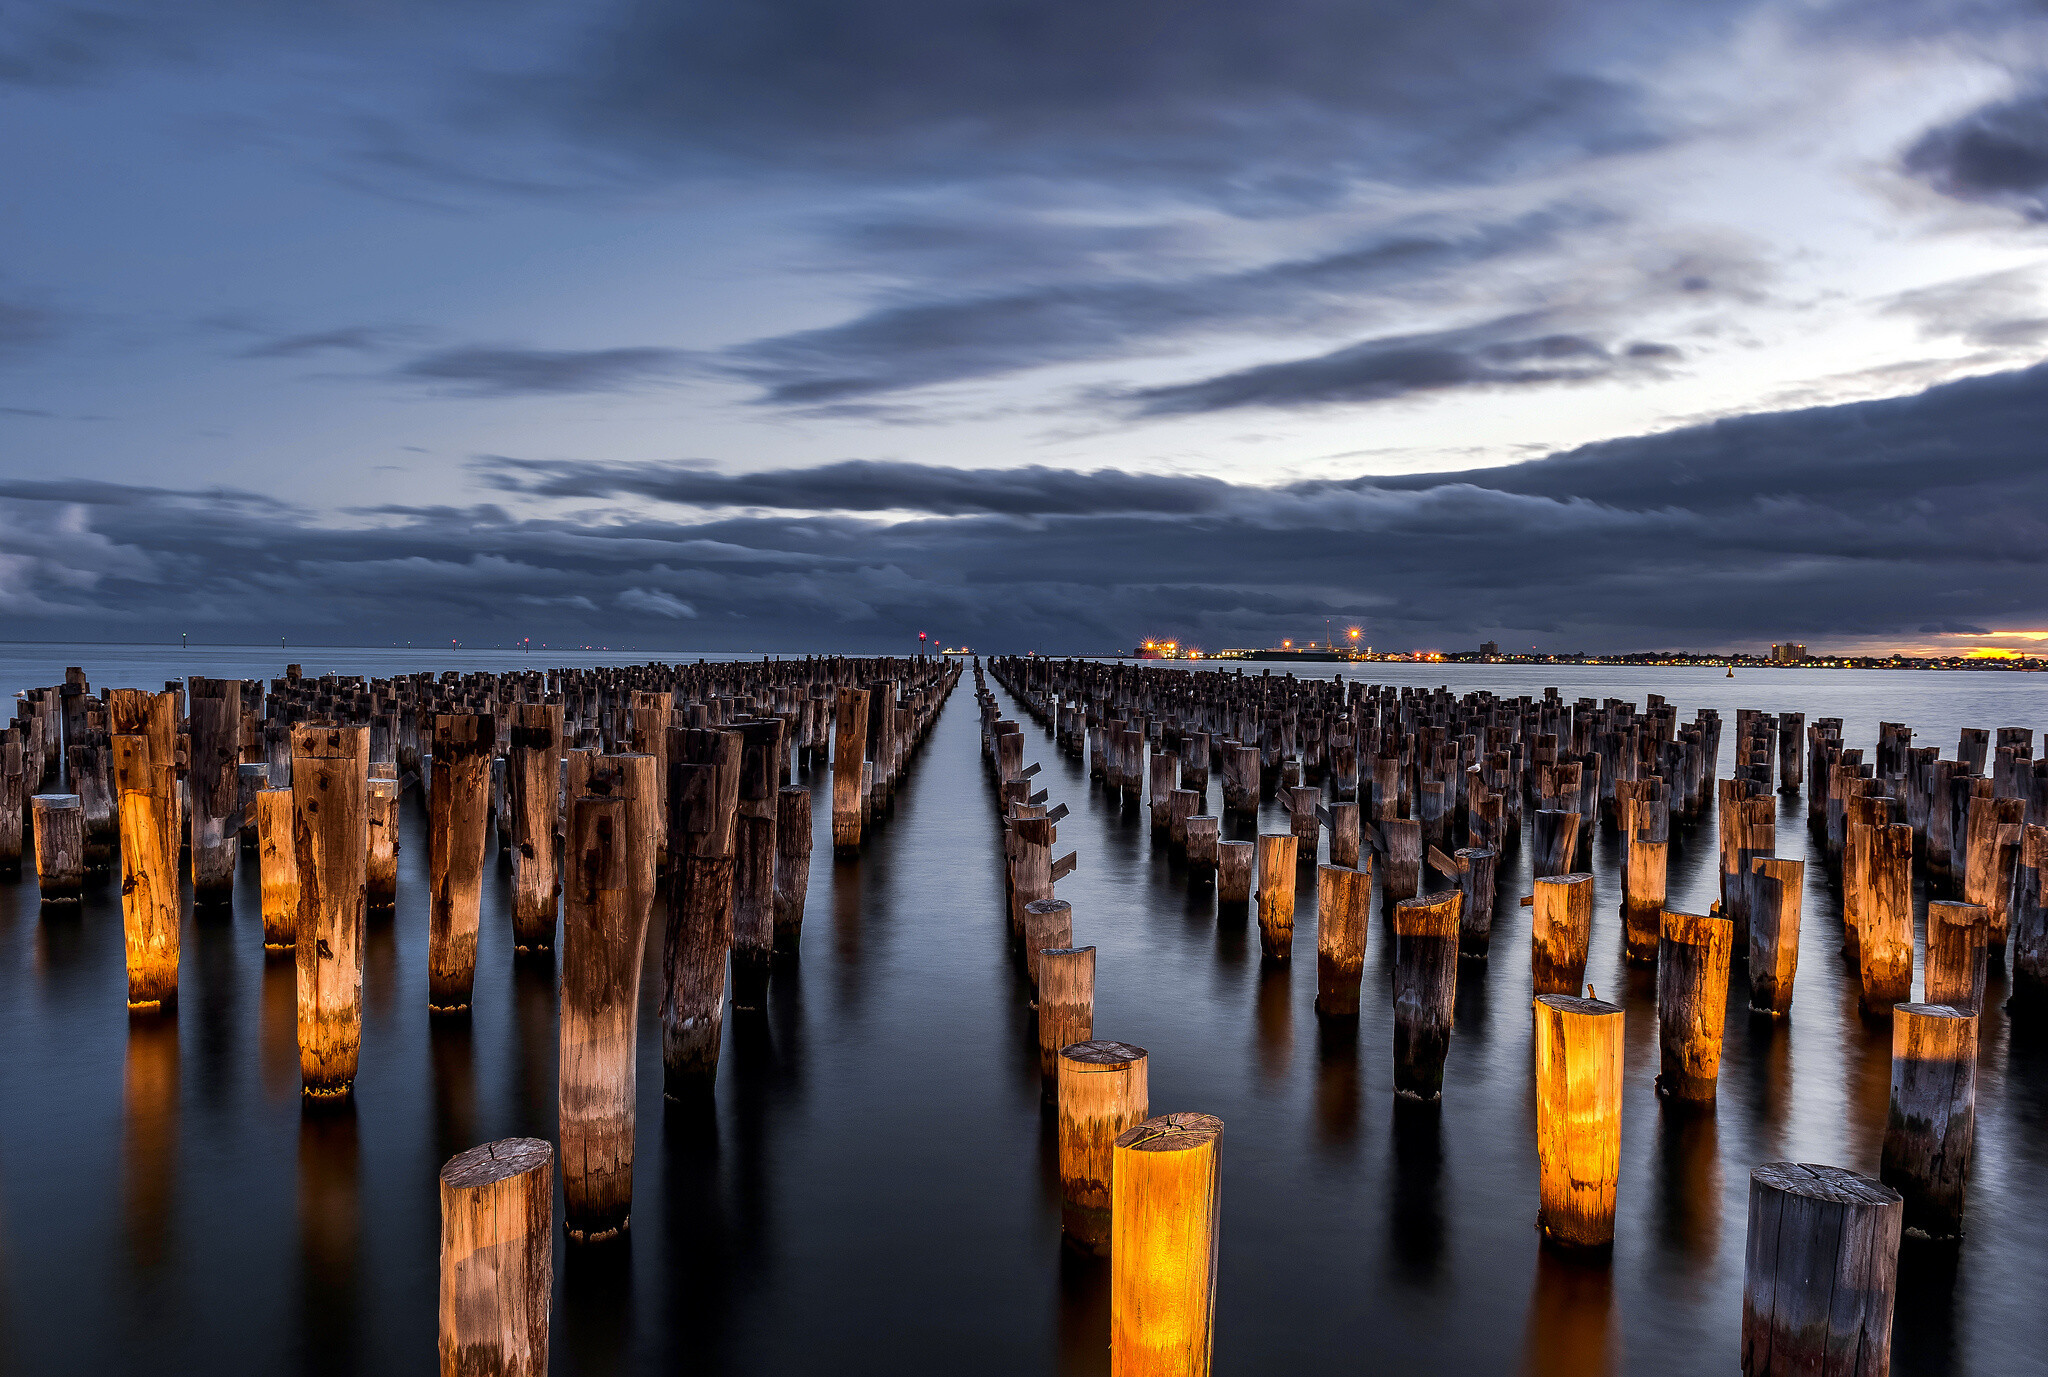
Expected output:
(331, 843)
(1401, 860)
(849, 745)
(1425, 990)
(535, 771)
(1342, 897)
(1204, 857)
(1958, 949)
(792, 864)
(458, 813)
(753, 891)
(1048, 924)
(1578, 1119)
(2030, 914)
(1181, 804)
(277, 868)
(215, 707)
(602, 942)
(1931, 1124)
(1776, 887)
(1233, 874)
(1560, 933)
(1692, 1002)
(1241, 779)
(703, 804)
(1162, 773)
(1302, 802)
(497, 1259)
(1819, 1274)
(1066, 1008)
(1276, 895)
(1477, 870)
(60, 846)
(1344, 837)
(380, 872)
(146, 784)
(1162, 1284)
(1885, 936)
(1556, 837)
(1102, 1092)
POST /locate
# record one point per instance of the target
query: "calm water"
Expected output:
(876, 1189)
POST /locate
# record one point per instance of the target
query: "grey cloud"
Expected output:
(509, 370)
(1998, 153)
(360, 339)
(1514, 351)
(23, 325)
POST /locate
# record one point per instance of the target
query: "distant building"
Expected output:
(1489, 650)
(1789, 653)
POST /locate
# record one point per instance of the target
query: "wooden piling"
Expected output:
(1692, 1002)
(458, 813)
(1102, 1092)
(1560, 933)
(330, 843)
(1477, 871)
(1342, 897)
(534, 769)
(1425, 990)
(1344, 836)
(1162, 1285)
(1401, 860)
(1578, 1119)
(145, 782)
(1066, 1008)
(380, 870)
(703, 803)
(497, 1259)
(1555, 838)
(1234, 873)
(1776, 890)
(1276, 895)
(792, 865)
(215, 707)
(1958, 950)
(1048, 924)
(1885, 933)
(602, 943)
(277, 869)
(1204, 858)
(60, 846)
(849, 744)
(1819, 1273)
(753, 886)
(1931, 1123)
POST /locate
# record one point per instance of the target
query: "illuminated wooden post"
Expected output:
(146, 785)
(497, 1259)
(534, 770)
(1478, 867)
(458, 814)
(601, 948)
(1560, 933)
(1820, 1272)
(1048, 924)
(703, 804)
(331, 843)
(792, 864)
(1578, 1119)
(380, 874)
(60, 846)
(1692, 1002)
(1775, 889)
(277, 867)
(1342, 897)
(1162, 1265)
(1885, 934)
(1931, 1124)
(753, 884)
(1066, 1007)
(849, 745)
(1958, 949)
(1425, 990)
(1102, 1092)
(1344, 835)
(1276, 895)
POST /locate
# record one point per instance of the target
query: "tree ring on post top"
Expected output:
(499, 1161)
(1108, 1055)
(1179, 1132)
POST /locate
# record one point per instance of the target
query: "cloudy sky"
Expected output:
(1602, 324)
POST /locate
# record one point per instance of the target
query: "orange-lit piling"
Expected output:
(1931, 1123)
(1048, 924)
(602, 942)
(146, 787)
(1578, 1119)
(277, 868)
(1102, 1092)
(1692, 1002)
(497, 1259)
(1775, 890)
(458, 812)
(381, 867)
(1425, 990)
(1885, 930)
(1276, 895)
(1560, 933)
(331, 842)
(1343, 896)
(1162, 1280)
(1066, 1007)
(1820, 1272)
(1958, 950)
(849, 745)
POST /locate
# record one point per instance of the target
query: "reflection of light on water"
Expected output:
(149, 1115)
(1571, 1319)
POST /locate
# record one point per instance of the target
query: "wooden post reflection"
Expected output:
(149, 1109)
(1571, 1319)
(330, 1211)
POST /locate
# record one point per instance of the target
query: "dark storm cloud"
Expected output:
(1860, 520)
(1512, 352)
(913, 344)
(508, 370)
(1998, 153)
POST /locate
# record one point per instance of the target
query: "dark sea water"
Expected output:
(875, 1190)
